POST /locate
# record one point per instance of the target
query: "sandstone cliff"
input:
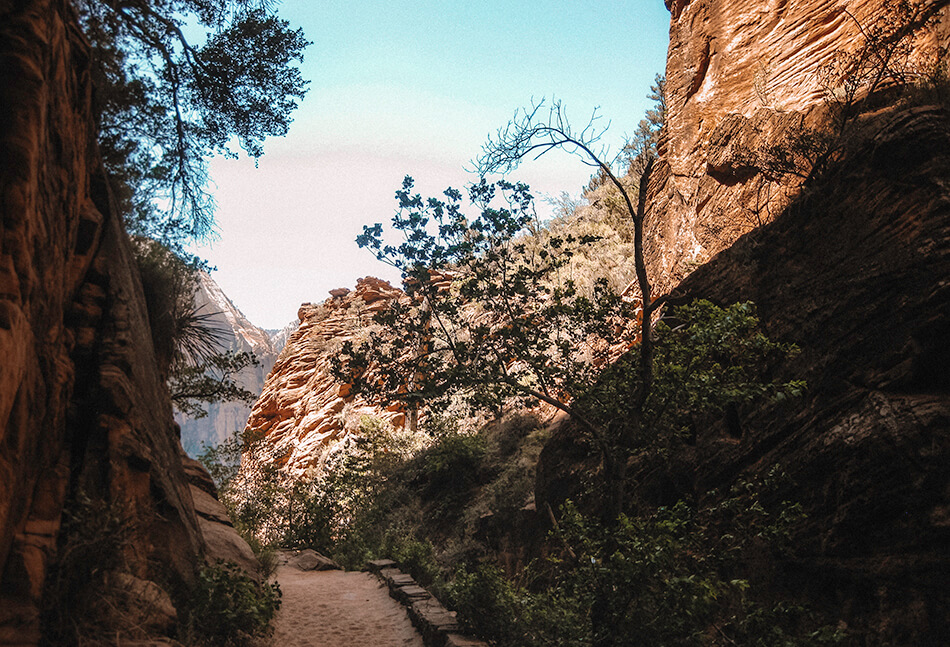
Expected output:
(739, 76)
(303, 413)
(241, 336)
(854, 272)
(84, 414)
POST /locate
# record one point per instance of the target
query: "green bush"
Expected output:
(414, 556)
(230, 609)
(673, 577)
(449, 469)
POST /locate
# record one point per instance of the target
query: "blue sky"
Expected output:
(414, 88)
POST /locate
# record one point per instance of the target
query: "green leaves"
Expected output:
(168, 102)
(229, 608)
(487, 315)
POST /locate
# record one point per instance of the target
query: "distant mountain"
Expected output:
(225, 418)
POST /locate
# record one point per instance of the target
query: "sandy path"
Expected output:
(339, 609)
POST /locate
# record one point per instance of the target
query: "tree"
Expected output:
(189, 348)
(644, 145)
(487, 316)
(167, 101)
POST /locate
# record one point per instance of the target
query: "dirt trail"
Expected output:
(339, 609)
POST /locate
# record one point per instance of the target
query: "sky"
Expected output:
(414, 88)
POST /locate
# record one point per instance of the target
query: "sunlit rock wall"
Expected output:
(304, 413)
(741, 74)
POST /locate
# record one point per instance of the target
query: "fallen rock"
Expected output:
(311, 560)
(137, 603)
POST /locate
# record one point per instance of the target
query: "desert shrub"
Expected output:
(446, 472)
(673, 577)
(414, 556)
(91, 546)
(230, 609)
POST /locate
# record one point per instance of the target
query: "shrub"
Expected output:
(450, 466)
(93, 535)
(673, 577)
(230, 609)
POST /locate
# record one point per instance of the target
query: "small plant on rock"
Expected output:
(229, 609)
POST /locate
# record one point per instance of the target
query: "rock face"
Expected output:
(83, 410)
(741, 75)
(303, 412)
(855, 273)
(226, 418)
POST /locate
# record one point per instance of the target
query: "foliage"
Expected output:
(177, 81)
(187, 344)
(228, 608)
(487, 315)
(668, 578)
(90, 546)
(707, 359)
(449, 468)
(181, 334)
(268, 507)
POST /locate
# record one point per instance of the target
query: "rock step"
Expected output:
(438, 626)
(377, 565)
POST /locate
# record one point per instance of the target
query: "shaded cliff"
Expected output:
(303, 412)
(85, 419)
(854, 272)
(239, 336)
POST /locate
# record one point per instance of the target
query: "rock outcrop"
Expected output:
(304, 413)
(740, 76)
(84, 414)
(855, 273)
(241, 336)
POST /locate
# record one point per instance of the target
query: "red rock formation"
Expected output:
(83, 409)
(855, 273)
(739, 75)
(301, 413)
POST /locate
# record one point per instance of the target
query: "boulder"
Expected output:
(310, 560)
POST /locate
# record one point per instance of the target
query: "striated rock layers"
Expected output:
(241, 336)
(83, 411)
(857, 273)
(741, 75)
(303, 412)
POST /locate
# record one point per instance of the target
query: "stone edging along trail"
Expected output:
(438, 625)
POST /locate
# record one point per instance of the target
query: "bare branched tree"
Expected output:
(541, 129)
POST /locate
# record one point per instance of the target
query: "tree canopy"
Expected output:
(178, 81)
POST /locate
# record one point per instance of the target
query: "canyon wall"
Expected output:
(239, 336)
(854, 271)
(740, 77)
(304, 413)
(85, 419)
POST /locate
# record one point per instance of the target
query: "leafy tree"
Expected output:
(482, 316)
(487, 317)
(176, 82)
